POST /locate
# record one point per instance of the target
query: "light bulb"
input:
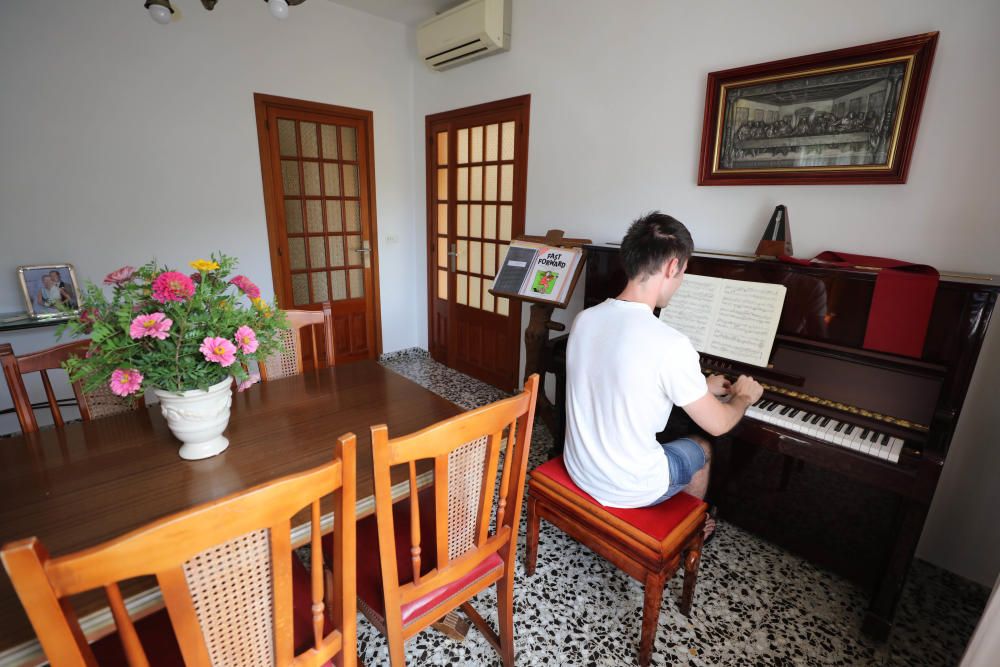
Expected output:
(279, 8)
(160, 11)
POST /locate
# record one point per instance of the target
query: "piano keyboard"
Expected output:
(843, 434)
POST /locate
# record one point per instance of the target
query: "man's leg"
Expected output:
(698, 485)
(684, 459)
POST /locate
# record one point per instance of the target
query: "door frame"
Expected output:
(520, 102)
(279, 264)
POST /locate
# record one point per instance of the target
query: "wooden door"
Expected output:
(477, 165)
(319, 193)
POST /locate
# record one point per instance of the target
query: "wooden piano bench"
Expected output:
(647, 543)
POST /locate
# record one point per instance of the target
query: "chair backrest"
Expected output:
(289, 361)
(225, 572)
(93, 404)
(465, 451)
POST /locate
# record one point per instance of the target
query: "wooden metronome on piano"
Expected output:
(777, 239)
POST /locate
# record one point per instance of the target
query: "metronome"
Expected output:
(777, 239)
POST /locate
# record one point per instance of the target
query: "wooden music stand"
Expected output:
(540, 322)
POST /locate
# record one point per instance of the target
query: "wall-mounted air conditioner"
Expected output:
(470, 31)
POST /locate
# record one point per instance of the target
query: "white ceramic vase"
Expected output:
(198, 417)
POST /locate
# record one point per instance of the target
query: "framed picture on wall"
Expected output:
(845, 116)
(50, 290)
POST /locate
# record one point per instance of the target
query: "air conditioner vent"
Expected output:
(470, 31)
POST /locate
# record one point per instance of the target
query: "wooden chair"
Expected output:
(93, 405)
(227, 573)
(648, 543)
(438, 555)
(289, 361)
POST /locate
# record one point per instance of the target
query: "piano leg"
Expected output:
(878, 621)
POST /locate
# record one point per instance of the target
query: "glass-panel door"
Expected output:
(320, 221)
(477, 161)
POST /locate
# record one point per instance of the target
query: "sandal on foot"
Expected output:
(713, 511)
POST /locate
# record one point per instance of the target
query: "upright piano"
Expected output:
(839, 460)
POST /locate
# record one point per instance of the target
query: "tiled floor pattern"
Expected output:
(755, 603)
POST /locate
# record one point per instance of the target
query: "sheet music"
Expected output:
(735, 319)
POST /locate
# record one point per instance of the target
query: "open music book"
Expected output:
(734, 319)
(538, 271)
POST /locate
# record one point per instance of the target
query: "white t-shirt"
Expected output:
(625, 370)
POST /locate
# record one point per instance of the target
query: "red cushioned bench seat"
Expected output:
(648, 543)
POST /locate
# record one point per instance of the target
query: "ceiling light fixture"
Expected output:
(160, 10)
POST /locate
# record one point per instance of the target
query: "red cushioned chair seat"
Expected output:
(656, 521)
(369, 564)
(160, 644)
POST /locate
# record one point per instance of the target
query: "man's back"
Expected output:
(625, 372)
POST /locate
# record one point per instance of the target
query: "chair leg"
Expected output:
(652, 599)
(691, 560)
(396, 643)
(531, 543)
(505, 617)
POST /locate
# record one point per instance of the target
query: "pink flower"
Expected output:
(125, 382)
(247, 286)
(218, 350)
(246, 338)
(172, 286)
(249, 382)
(155, 325)
(119, 277)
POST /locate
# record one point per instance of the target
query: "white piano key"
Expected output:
(828, 433)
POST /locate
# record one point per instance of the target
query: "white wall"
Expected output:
(121, 139)
(617, 98)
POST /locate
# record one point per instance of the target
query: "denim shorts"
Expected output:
(685, 457)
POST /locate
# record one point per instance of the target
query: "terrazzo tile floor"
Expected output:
(755, 603)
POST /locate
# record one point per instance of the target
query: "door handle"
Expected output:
(451, 257)
(365, 252)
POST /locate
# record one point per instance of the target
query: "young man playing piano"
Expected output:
(625, 372)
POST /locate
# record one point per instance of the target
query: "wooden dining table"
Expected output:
(80, 485)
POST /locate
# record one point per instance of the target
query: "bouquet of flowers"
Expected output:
(173, 331)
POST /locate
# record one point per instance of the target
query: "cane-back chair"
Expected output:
(436, 556)
(227, 573)
(93, 404)
(289, 361)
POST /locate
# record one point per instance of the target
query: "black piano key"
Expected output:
(785, 410)
(793, 413)
(760, 402)
(825, 421)
(815, 419)
(885, 439)
(838, 427)
(864, 434)
(849, 429)
(806, 416)
(771, 407)
(875, 435)
(764, 404)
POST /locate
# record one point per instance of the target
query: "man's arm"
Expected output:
(717, 417)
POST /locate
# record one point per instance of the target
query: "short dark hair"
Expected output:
(651, 241)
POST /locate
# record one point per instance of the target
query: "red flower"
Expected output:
(119, 277)
(247, 286)
(172, 286)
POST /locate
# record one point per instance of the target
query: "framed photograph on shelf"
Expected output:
(50, 290)
(845, 116)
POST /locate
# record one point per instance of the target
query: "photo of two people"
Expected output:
(48, 290)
